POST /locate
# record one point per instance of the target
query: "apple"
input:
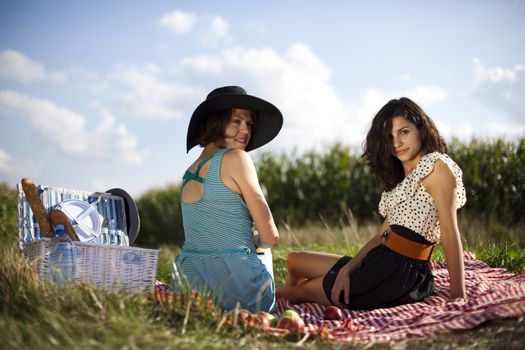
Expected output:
(243, 315)
(263, 322)
(291, 324)
(291, 321)
(333, 313)
(290, 313)
(267, 320)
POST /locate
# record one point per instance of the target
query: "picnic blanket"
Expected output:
(492, 293)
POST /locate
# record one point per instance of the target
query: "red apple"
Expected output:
(267, 319)
(243, 314)
(291, 321)
(290, 313)
(291, 324)
(263, 323)
(333, 313)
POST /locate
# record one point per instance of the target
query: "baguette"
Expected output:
(33, 198)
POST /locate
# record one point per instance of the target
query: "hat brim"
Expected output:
(132, 213)
(269, 119)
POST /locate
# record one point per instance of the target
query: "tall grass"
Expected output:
(39, 315)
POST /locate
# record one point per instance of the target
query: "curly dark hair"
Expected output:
(378, 146)
(212, 130)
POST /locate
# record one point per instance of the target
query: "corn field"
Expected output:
(335, 187)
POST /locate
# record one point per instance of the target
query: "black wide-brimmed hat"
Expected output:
(132, 213)
(269, 118)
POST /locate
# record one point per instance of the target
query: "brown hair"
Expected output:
(212, 130)
(387, 169)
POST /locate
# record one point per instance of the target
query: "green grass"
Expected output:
(36, 315)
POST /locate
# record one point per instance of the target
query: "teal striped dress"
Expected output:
(218, 254)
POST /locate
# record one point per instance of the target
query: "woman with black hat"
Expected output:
(222, 201)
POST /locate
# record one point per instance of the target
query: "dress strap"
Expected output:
(195, 175)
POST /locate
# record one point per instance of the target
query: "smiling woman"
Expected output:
(423, 190)
(221, 201)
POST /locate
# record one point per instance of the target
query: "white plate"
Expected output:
(84, 217)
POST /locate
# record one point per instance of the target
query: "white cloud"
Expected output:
(297, 82)
(178, 22)
(15, 168)
(219, 27)
(15, 65)
(212, 30)
(495, 74)
(217, 32)
(150, 97)
(202, 64)
(66, 130)
(501, 88)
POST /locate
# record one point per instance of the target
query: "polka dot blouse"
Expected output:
(409, 205)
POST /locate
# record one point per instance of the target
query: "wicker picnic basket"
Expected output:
(106, 266)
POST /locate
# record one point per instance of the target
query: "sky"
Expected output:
(99, 94)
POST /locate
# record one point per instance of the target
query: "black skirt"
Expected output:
(384, 279)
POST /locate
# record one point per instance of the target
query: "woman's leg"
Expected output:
(308, 265)
(310, 291)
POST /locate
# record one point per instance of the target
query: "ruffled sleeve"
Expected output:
(461, 196)
(411, 183)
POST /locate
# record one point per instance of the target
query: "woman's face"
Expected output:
(406, 140)
(238, 131)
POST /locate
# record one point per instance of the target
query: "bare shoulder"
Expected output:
(236, 160)
(441, 176)
(237, 155)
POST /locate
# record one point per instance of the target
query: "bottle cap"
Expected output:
(59, 228)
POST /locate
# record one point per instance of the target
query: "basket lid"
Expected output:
(132, 213)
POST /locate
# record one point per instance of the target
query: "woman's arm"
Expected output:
(342, 282)
(238, 166)
(441, 184)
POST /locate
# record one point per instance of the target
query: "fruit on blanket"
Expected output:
(291, 321)
(333, 313)
(243, 315)
(290, 314)
(251, 321)
(267, 320)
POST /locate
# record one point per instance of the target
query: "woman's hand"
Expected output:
(341, 284)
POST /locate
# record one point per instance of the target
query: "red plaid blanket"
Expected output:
(492, 293)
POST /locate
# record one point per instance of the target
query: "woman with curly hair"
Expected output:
(423, 189)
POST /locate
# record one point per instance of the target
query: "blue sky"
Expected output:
(98, 94)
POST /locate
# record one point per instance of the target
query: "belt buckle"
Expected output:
(385, 235)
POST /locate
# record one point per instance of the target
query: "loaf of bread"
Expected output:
(33, 198)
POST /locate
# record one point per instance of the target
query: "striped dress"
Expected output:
(218, 255)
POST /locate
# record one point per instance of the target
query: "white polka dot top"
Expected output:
(409, 205)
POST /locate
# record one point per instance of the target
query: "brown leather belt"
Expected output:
(406, 247)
